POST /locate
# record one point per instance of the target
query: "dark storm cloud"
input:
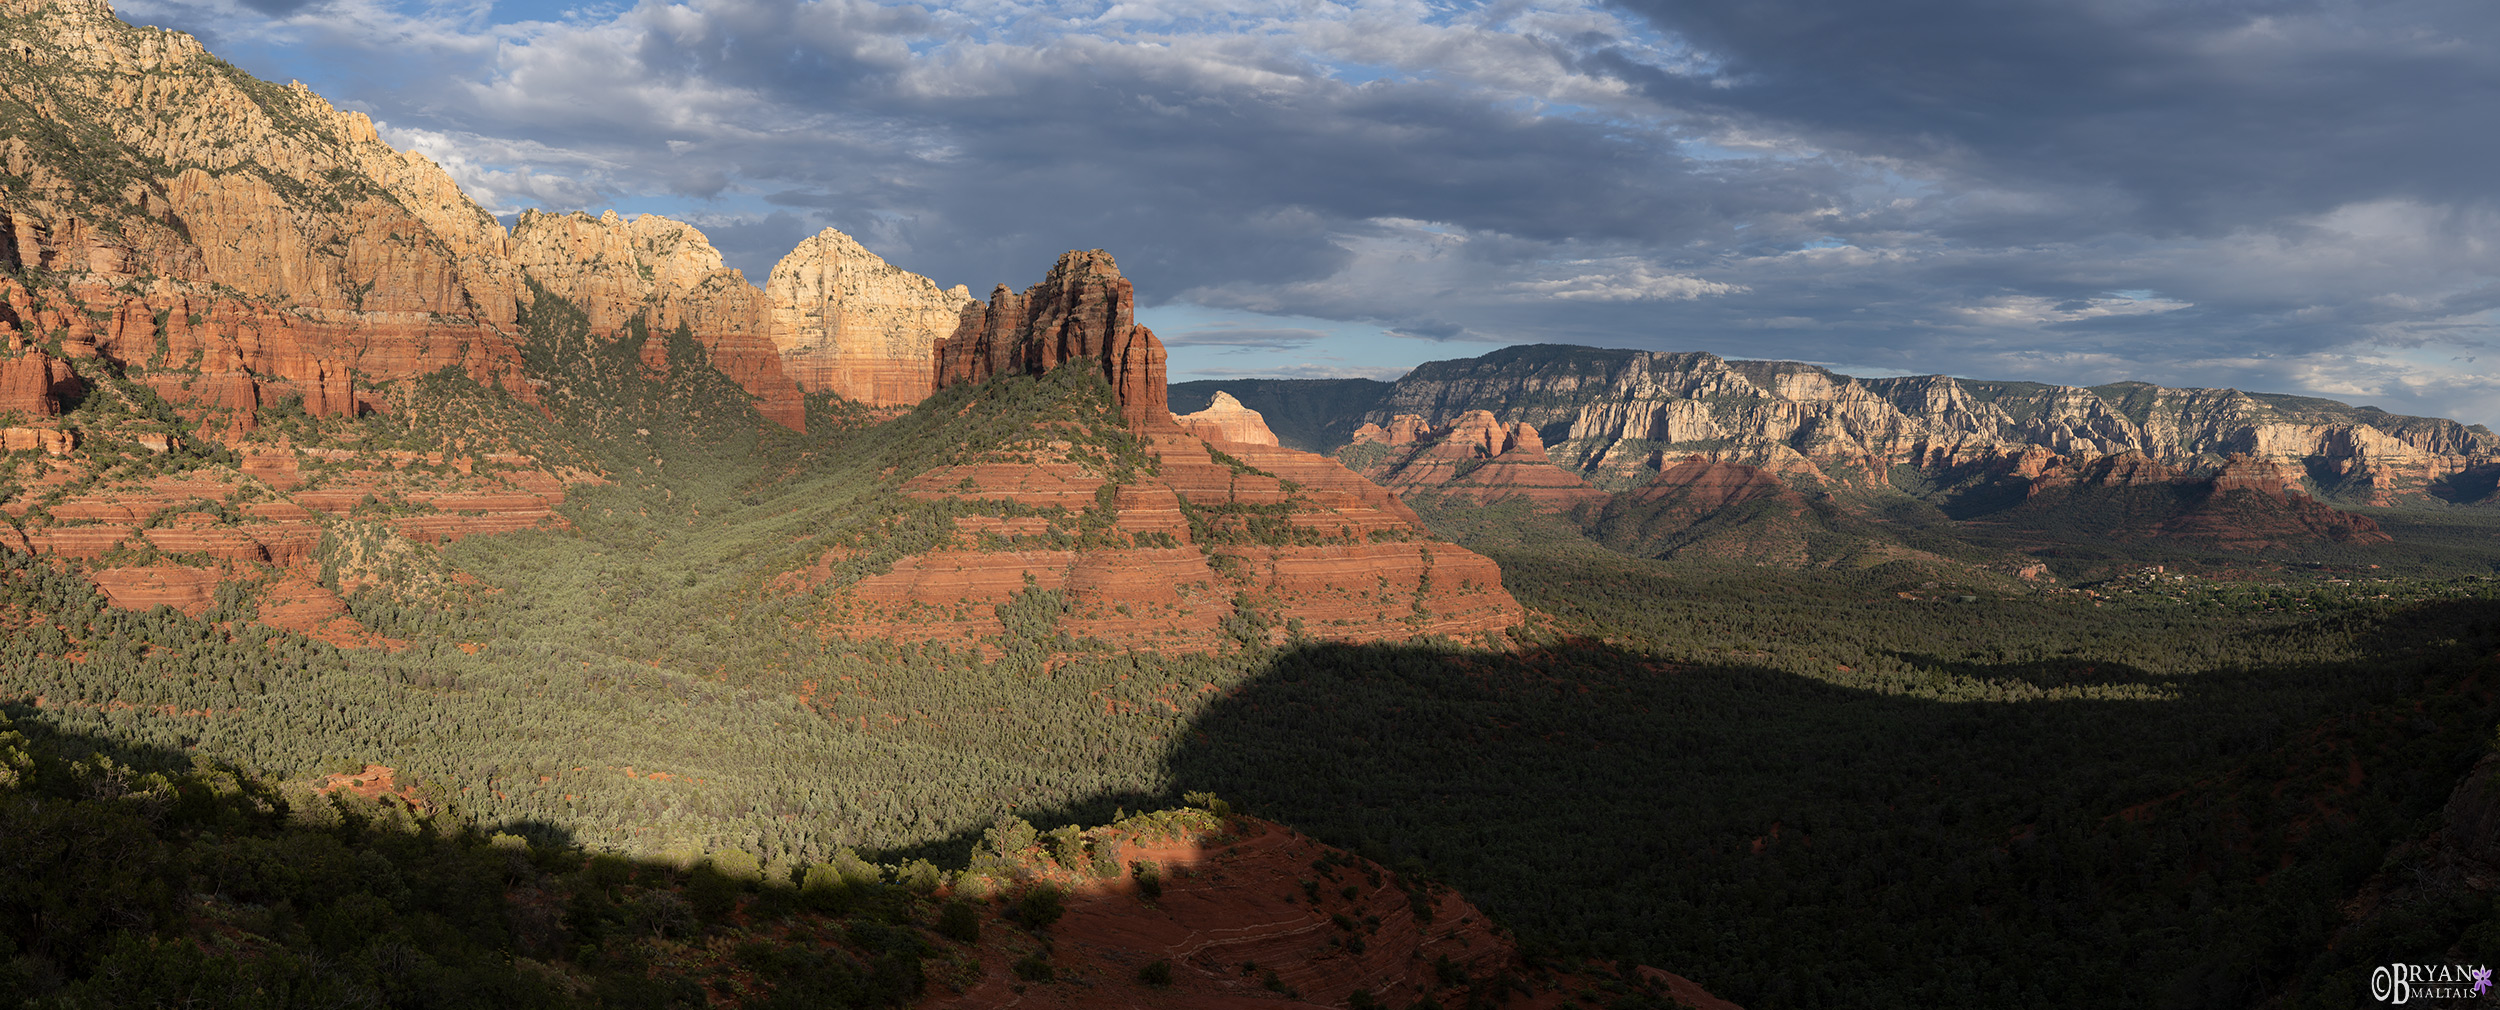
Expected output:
(1193, 179)
(2184, 117)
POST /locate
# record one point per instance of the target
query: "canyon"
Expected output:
(243, 254)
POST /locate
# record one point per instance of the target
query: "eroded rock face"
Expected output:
(1320, 553)
(1220, 542)
(234, 240)
(1625, 414)
(2243, 505)
(1082, 309)
(666, 274)
(35, 384)
(1226, 420)
(845, 321)
(256, 525)
(1476, 457)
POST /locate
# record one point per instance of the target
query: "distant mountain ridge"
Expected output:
(1619, 417)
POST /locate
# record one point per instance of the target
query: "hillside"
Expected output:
(406, 610)
(349, 895)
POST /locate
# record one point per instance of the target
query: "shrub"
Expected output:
(1041, 906)
(1107, 857)
(959, 922)
(1156, 973)
(1008, 836)
(712, 893)
(1067, 846)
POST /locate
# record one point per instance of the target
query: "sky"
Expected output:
(2279, 195)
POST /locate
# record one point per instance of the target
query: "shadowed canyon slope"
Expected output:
(1255, 914)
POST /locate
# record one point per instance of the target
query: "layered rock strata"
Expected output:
(235, 244)
(2243, 505)
(1619, 416)
(172, 540)
(1271, 543)
(1226, 420)
(1083, 309)
(249, 240)
(1217, 541)
(1475, 457)
(847, 322)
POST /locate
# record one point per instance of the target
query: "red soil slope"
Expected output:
(1238, 928)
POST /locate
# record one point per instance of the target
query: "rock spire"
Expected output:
(1082, 309)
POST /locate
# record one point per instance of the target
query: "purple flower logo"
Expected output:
(2482, 981)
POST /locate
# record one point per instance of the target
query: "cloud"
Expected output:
(1634, 285)
(2057, 189)
(2033, 310)
(1264, 338)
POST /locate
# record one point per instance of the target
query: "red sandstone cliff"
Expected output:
(228, 241)
(1217, 541)
(232, 243)
(1474, 457)
(2243, 505)
(1082, 309)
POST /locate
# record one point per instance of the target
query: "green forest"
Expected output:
(1800, 789)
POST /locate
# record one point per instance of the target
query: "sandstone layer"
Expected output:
(2243, 505)
(667, 275)
(174, 539)
(1226, 420)
(1617, 416)
(1261, 545)
(235, 245)
(1128, 529)
(1475, 457)
(846, 322)
(1083, 309)
(249, 240)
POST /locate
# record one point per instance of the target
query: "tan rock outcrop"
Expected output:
(49, 441)
(247, 236)
(1226, 420)
(847, 322)
(666, 274)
